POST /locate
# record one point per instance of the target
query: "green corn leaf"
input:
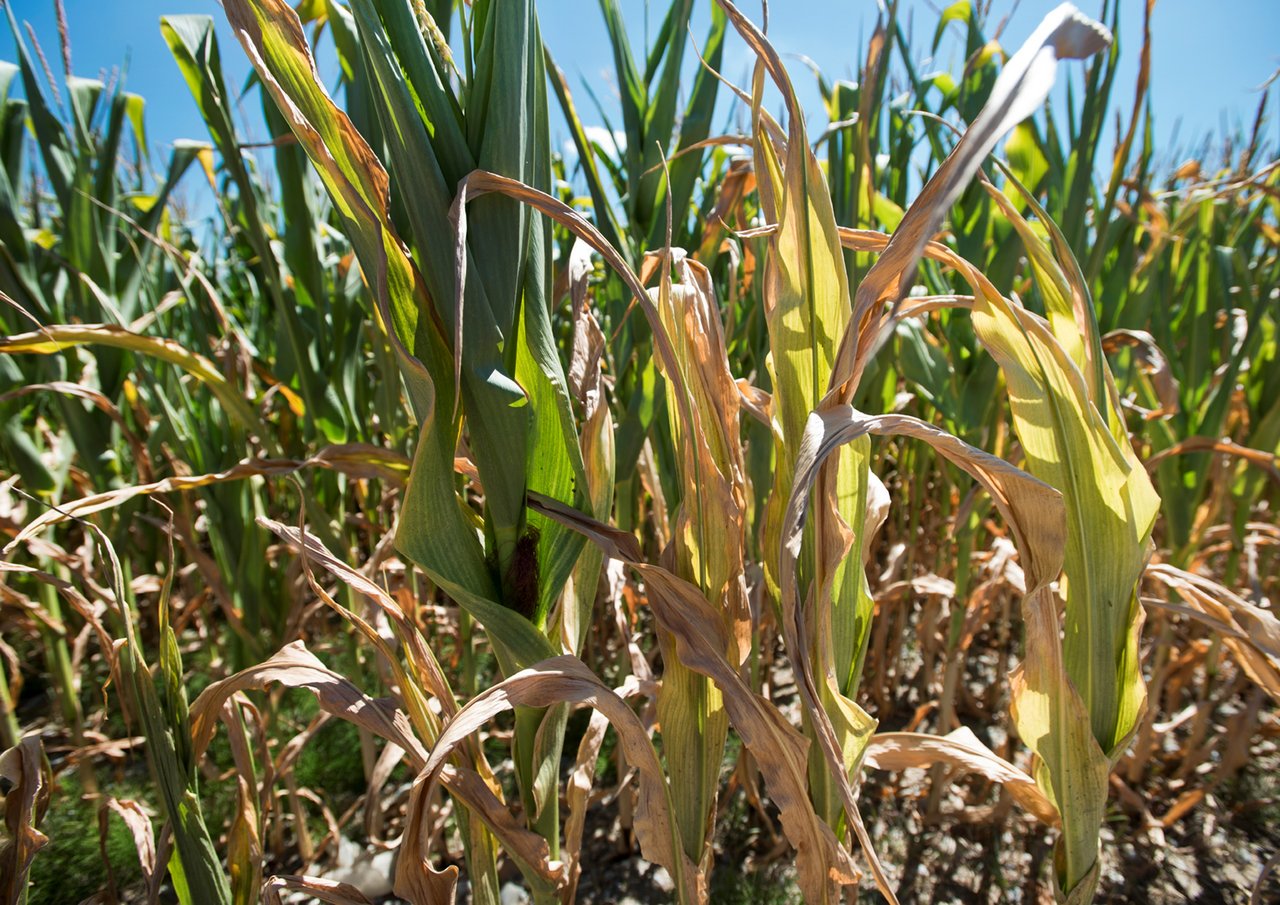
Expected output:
(194, 45)
(1110, 507)
(57, 339)
(434, 531)
(649, 191)
(496, 406)
(695, 126)
(358, 186)
(631, 85)
(57, 155)
(603, 213)
(198, 866)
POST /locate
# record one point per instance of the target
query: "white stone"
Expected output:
(513, 894)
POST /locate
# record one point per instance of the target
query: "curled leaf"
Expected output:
(138, 823)
(317, 889)
(567, 679)
(354, 460)
(25, 780)
(963, 750)
(1021, 88)
(1153, 364)
(779, 750)
(1251, 633)
(296, 667)
(55, 339)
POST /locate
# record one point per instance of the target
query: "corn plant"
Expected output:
(799, 471)
(501, 378)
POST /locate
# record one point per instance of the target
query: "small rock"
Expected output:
(368, 870)
(662, 880)
(513, 894)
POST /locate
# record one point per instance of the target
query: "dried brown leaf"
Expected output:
(296, 667)
(963, 750)
(555, 681)
(25, 780)
(1251, 633)
(319, 890)
(780, 751)
(138, 822)
(356, 460)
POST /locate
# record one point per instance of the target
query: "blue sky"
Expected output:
(1208, 58)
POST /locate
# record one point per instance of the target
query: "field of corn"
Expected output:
(881, 507)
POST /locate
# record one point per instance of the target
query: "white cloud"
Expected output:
(615, 141)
